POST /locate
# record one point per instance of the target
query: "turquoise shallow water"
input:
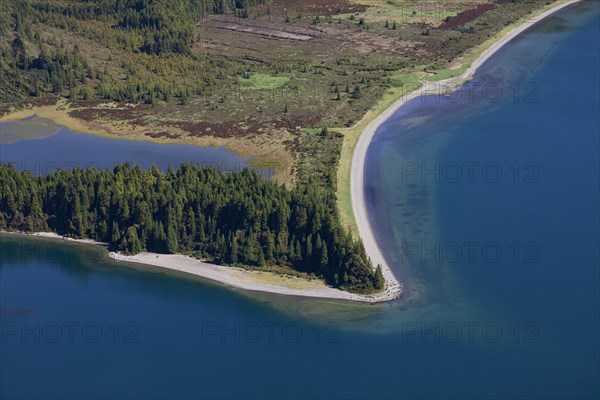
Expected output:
(74, 325)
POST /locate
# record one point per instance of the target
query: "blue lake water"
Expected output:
(38, 145)
(518, 320)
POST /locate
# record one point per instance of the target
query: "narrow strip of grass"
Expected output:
(405, 84)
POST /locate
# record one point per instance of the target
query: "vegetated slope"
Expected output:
(151, 26)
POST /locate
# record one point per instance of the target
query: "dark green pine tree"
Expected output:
(133, 244)
(324, 256)
(379, 279)
(233, 252)
(261, 257)
(116, 234)
(172, 243)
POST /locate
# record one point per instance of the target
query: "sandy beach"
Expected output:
(360, 152)
(233, 277)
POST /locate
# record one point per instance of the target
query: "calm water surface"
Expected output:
(475, 324)
(40, 146)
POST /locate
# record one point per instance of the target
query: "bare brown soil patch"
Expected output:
(470, 14)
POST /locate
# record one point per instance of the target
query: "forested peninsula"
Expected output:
(289, 84)
(225, 218)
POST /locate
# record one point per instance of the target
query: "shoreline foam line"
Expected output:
(357, 194)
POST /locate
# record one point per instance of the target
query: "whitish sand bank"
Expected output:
(229, 276)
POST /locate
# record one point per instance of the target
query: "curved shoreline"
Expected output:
(359, 155)
(278, 284)
(232, 277)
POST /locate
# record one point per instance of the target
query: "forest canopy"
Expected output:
(166, 25)
(32, 63)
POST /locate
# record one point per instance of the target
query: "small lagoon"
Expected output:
(40, 146)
